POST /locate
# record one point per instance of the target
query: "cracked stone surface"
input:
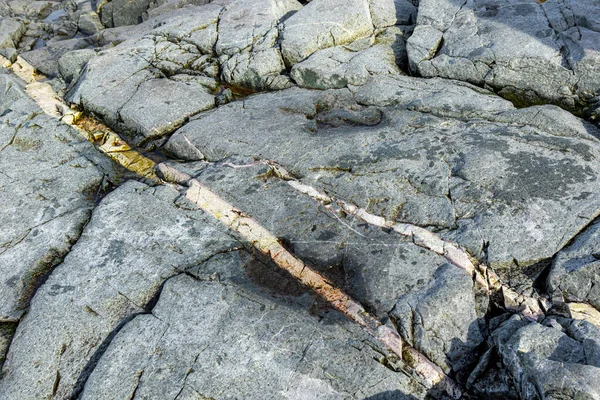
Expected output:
(324, 23)
(400, 148)
(123, 256)
(441, 319)
(528, 53)
(435, 160)
(47, 188)
(11, 31)
(575, 273)
(375, 267)
(269, 347)
(337, 67)
(549, 358)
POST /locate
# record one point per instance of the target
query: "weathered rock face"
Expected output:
(575, 274)
(557, 359)
(458, 212)
(268, 347)
(112, 274)
(527, 52)
(217, 46)
(441, 319)
(403, 151)
(11, 31)
(47, 187)
(324, 23)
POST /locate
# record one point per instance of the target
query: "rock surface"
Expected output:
(528, 53)
(111, 275)
(435, 160)
(575, 273)
(47, 188)
(434, 177)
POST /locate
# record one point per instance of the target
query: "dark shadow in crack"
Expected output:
(391, 395)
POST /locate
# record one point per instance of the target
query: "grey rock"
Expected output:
(422, 45)
(123, 12)
(89, 23)
(71, 63)
(324, 23)
(163, 7)
(589, 336)
(247, 43)
(47, 185)
(7, 330)
(337, 67)
(126, 77)
(529, 53)
(396, 37)
(422, 162)
(374, 266)
(159, 106)
(136, 239)
(11, 31)
(56, 16)
(575, 273)
(240, 26)
(30, 9)
(441, 320)
(386, 13)
(258, 70)
(45, 59)
(545, 362)
(440, 97)
(268, 348)
(112, 77)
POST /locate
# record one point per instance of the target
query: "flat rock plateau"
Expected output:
(282, 199)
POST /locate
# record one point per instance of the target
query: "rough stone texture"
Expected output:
(441, 319)
(504, 190)
(324, 23)
(11, 31)
(136, 239)
(71, 63)
(268, 348)
(172, 103)
(112, 77)
(115, 83)
(529, 53)
(121, 84)
(163, 6)
(45, 59)
(123, 12)
(337, 67)
(47, 188)
(575, 273)
(375, 267)
(247, 41)
(89, 23)
(7, 330)
(546, 362)
(386, 13)
(240, 26)
(395, 37)
(151, 299)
